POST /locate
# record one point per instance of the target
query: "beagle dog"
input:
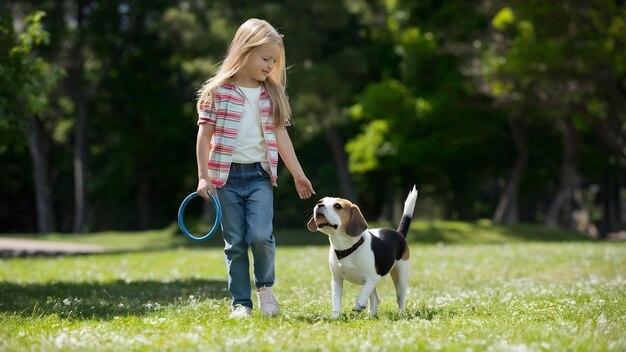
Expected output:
(362, 255)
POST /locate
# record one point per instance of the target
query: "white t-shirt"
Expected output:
(251, 147)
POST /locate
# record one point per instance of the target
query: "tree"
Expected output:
(26, 82)
(433, 127)
(566, 60)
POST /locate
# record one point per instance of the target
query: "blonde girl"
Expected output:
(243, 112)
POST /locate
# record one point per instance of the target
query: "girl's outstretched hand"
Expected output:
(304, 187)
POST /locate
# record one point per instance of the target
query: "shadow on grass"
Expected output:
(151, 241)
(284, 238)
(484, 232)
(420, 313)
(105, 300)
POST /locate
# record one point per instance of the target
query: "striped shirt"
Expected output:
(225, 112)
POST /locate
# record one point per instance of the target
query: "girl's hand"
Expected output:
(204, 187)
(304, 187)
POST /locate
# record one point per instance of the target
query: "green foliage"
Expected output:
(503, 18)
(383, 107)
(418, 92)
(368, 148)
(26, 80)
(550, 61)
(439, 131)
(553, 43)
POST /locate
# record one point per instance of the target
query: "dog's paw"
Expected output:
(335, 315)
(358, 307)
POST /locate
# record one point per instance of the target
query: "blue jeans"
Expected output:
(247, 202)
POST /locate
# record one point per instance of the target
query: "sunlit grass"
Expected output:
(530, 296)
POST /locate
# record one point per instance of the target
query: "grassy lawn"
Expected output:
(472, 287)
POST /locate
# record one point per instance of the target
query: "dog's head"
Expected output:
(336, 215)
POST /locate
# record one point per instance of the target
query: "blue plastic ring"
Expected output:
(181, 222)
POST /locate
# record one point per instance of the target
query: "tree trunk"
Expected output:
(142, 198)
(80, 133)
(39, 151)
(340, 159)
(560, 210)
(507, 211)
(80, 178)
(611, 201)
(612, 136)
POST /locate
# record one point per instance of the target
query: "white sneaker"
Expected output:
(240, 311)
(267, 301)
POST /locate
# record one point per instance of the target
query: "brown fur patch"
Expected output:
(344, 213)
(352, 221)
(395, 276)
(406, 255)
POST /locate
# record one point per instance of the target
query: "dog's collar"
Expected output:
(347, 252)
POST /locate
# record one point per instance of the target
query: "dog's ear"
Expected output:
(357, 223)
(312, 226)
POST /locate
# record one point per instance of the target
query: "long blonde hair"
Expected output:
(250, 35)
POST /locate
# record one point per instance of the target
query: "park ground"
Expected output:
(473, 286)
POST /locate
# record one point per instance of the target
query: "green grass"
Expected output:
(472, 287)
(425, 232)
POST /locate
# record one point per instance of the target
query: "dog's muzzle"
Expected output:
(321, 221)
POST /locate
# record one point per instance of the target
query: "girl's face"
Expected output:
(260, 64)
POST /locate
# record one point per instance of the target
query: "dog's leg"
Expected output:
(337, 292)
(366, 291)
(374, 303)
(400, 277)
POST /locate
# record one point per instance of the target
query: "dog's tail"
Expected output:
(407, 214)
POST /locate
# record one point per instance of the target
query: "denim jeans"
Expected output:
(247, 202)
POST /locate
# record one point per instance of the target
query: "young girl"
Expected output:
(243, 114)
